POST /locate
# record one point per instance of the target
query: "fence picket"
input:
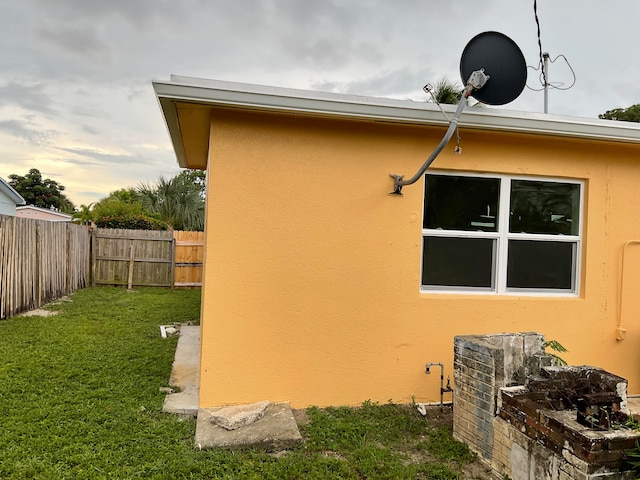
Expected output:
(39, 262)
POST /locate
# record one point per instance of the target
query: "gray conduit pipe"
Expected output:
(621, 332)
(476, 81)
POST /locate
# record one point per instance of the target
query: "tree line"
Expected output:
(176, 203)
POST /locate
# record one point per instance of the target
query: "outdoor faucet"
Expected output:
(448, 387)
(443, 389)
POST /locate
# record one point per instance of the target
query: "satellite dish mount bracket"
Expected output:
(477, 79)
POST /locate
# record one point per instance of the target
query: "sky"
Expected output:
(77, 103)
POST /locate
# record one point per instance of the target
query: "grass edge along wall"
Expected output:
(312, 286)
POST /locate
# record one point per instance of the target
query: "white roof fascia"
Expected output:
(277, 99)
(11, 193)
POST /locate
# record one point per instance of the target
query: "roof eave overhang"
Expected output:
(215, 93)
(12, 193)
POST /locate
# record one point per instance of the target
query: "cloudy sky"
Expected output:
(76, 99)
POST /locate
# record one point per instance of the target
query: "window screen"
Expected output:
(462, 262)
(538, 264)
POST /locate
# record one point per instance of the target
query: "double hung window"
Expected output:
(501, 234)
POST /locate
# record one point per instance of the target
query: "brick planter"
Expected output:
(531, 421)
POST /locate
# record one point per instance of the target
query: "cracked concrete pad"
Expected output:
(237, 416)
(276, 430)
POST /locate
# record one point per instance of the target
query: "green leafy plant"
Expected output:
(136, 222)
(178, 201)
(633, 423)
(556, 347)
(83, 215)
(633, 457)
(41, 192)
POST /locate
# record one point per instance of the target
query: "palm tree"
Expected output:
(177, 201)
(446, 92)
(83, 216)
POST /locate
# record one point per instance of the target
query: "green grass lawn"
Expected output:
(80, 399)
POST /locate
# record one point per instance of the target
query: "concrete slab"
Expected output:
(276, 430)
(185, 373)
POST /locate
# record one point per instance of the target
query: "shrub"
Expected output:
(131, 222)
(114, 207)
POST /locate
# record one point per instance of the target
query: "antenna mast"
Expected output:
(545, 76)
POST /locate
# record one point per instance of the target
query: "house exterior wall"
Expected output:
(7, 205)
(42, 214)
(312, 278)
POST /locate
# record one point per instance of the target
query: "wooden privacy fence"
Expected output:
(147, 258)
(40, 261)
(189, 258)
(132, 257)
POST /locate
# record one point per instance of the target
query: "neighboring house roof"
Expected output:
(186, 104)
(38, 213)
(10, 192)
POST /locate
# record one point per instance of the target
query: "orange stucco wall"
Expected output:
(312, 282)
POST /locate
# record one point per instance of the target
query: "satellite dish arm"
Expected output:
(476, 81)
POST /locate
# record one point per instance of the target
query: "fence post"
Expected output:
(172, 268)
(93, 248)
(131, 263)
(38, 266)
(67, 263)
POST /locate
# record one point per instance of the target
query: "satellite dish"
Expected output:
(502, 60)
(494, 72)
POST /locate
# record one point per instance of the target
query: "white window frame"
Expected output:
(501, 240)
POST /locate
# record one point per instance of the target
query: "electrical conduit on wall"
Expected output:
(620, 330)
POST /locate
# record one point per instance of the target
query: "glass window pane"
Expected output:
(544, 207)
(536, 264)
(461, 203)
(458, 262)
